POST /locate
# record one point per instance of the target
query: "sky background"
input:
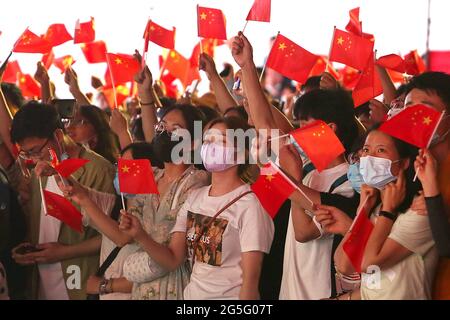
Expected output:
(398, 25)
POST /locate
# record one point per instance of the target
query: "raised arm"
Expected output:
(224, 98)
(42, 77)
(119, 126)
(71, 79)
(260, 108)
(389, 91)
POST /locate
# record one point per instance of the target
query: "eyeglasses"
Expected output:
(160, 127)
(29, 155)
(74, 122)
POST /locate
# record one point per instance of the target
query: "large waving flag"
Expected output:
(57, 34)
(62, 209)
(29, 86)
(291, 60)
(368, 86)
(136, 177)
(84, 32)
(123, 67)
(159, 35)
(11, 72)
(392, 62)
(94, 52)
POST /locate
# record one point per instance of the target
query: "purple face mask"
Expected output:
(217, 157)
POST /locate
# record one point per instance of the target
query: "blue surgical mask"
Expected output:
(354, 176)
(117, 188)
(376, 172)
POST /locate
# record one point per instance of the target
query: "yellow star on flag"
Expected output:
(118, 61)
(270, 177)
(125, 169)
(340, 41)
(203, 16)
(427, 121)
(282, 46)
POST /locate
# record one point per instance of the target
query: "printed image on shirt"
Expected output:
(209, 248)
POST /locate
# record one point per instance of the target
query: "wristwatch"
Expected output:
(103, 287)
(388, 215)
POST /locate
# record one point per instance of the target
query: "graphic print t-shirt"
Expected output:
(243, 227)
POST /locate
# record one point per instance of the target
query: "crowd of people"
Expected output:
(205, 235)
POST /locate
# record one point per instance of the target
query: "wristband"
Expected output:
(388, 215)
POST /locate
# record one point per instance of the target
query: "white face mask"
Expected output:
(376, 172)
(216, 157)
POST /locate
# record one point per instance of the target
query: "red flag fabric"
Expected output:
(123, 67)
(272, 188)
(359, 235)
(57, 34)
(94, 52)
(208, 46)
(122, 93)
(84, 32)
(439, 61)
(350, 49)
(291, 60)
(355, 26)
(48, 59)
(319, 142)
(11, 71)
(414, 125)
(322, 65)
(31, 43)
(136, 177)
(177, 65)
(30, 88)
(396, 77)
(368, 86)
(393, 62)
(62, 209)
(349, 76)
(64, 62)
(211, 23)
(414, 64)
(159, 35)
(260, 11)
(66, 167)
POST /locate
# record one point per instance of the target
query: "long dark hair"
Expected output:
(107, 141)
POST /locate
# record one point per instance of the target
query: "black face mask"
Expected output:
(163, 146)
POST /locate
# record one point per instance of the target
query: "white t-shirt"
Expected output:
(51, 280)
(307, 266)
(412, 278)
(243, 227)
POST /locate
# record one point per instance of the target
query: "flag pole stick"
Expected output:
(146, 43)
(42, 196)
(201, 46)
(123, 201)
(245, 26)
(431, 138)
(112, 81)
(331, 44)
(265, 63)
(278, 137)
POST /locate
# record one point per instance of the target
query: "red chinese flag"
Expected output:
(414, 64)
(272, 188)
(177, 65)
(48, 59)
(31, 43)
(359, 235)
(368, 86)
(57, 34)
(319, 142)
(11, 71)
(123, 67)
(349, 76)
(211, 23)
(122, 93)
(63, 63)
(136, 177)
(260, 11)
(350, 49)
(53, 157)
(208, 46)
(30, 88)
(84, 32)
(94, 52)
(62, 209)
(355, 26)
(322, 65)
(414, 125)
(392, 62)
(169, 87)
(396, 77)
(66, 167)
(439, 61)
(291, 60)
(159, 35)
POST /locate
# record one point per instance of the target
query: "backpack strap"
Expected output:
(338, 182)
(308, 168)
